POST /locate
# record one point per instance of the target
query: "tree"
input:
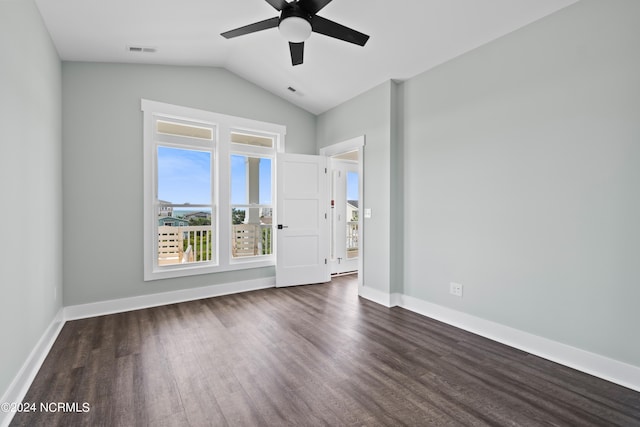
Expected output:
(199, 221)
(237, 216)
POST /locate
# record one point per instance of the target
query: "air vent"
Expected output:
(141, 49)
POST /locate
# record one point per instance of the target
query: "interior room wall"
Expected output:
(369, 114)
(397, 226)
(31, 190)
(522, 180)
(102, 155)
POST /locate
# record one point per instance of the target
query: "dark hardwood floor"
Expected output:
(306, 356)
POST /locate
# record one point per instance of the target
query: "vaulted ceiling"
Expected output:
(407, 38)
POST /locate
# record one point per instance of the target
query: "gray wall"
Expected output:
(31, 192)
(522, 179)
(102, 156)
(369, 114)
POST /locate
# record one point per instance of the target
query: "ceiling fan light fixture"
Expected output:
(295, 29)
(297, 20)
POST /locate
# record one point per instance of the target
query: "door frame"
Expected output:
(354, 144)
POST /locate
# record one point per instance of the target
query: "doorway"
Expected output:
(345, 213)
(295, 255)
(348, 157)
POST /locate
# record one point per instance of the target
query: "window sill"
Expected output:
(184, 270)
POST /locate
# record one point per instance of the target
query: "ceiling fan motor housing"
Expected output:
(295, 24)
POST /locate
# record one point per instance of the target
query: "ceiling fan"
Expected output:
(296, 22)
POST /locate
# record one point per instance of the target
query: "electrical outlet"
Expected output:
(455, 289)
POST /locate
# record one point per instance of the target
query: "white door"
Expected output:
(302, 227)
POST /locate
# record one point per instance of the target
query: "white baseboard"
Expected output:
(22, 381)
(594, 364)
(376, 296)
(100, 308)
(396, 299)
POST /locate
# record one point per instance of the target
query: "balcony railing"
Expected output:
(251, 240)
(352, 239)
(184, 244)
(179, 245)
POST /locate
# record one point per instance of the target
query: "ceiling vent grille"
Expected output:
(141, 49)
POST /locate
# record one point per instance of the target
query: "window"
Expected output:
(184, 177)
(251, 206)
(252, 139)
(208, 191)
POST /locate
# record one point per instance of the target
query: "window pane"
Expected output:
(250, 180)
(255, 140)
(185, 236)
(169, 128)
(251, 231)
(265, 182)
(239, 180)
(184, 176)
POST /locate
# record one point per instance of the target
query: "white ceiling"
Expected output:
(407, 38)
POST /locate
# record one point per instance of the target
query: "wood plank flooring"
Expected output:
(306, 356)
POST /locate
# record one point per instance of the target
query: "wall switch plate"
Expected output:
(367, 213)
(455, 289)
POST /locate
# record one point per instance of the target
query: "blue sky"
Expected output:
(184, 177)
(352, 185)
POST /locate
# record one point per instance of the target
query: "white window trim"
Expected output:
(221, 186)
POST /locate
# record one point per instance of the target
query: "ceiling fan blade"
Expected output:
(252, 28)
(297, 53)
(277, 4)
(333, 29)
(313, 6)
